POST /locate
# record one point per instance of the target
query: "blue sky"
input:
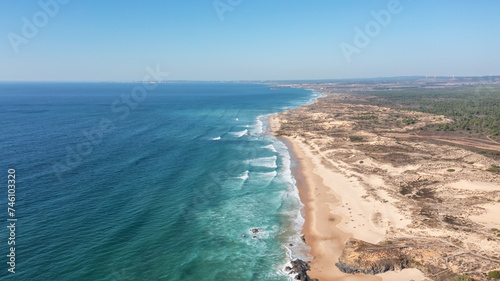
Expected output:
(256, 40)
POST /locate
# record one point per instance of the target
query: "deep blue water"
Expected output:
(166, 186)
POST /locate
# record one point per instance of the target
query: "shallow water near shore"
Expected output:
(186, 185)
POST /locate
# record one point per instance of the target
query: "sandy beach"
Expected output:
(383, 200)
(320, 228)
(333, 214)
(385, 190)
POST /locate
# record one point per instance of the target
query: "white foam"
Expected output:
(258, 128)
(260, 234)
(245, 176)
(240, 134)
(315, 96)
(268, 176)
(267, 162)
(217, 138)
(284, 272)
(237, 119)
(286, 162)
(299, 249)
(270, 147)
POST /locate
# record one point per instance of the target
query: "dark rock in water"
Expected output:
(288, 268)
(255, 230)
(303, 237)
(254, 237)
(301, 267)
(291, 245)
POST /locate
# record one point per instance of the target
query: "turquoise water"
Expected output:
(165, 187)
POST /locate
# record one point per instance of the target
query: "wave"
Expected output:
(267, 162)
(217, 138)
(239, 134)
(294, 246)
(259, 128)
(245, 176)
(270, 147)
(315, 95)
(262, 179)
(266, 176)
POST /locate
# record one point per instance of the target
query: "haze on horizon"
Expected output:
(56, 40)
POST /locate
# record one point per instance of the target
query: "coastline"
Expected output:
(328, 193)
(325, 239)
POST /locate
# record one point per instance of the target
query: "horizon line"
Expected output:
(427, 77)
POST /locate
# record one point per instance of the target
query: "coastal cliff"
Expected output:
(436, 258)
(363, 257)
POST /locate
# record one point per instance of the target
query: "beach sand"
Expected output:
(320, 228)
(357, 180)
(334, 212)
(377, 182)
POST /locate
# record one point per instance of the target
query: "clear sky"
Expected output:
(256, 40)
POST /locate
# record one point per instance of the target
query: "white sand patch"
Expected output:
(491, 218)
(475, 185)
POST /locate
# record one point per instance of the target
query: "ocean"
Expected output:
(179, 182)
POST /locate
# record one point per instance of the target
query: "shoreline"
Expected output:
(328, 192)
(320, 226)
(326, 241)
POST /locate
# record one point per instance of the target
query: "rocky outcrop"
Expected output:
(363, 257)
(300, 268)
(434, 257)
(372, 268)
